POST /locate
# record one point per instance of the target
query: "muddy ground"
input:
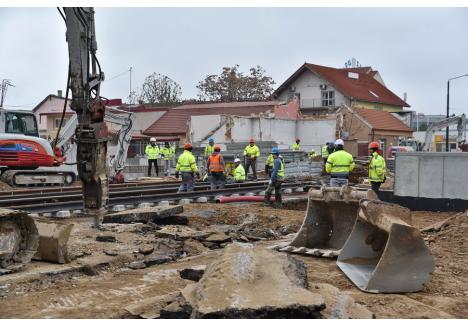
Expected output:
(144, 261)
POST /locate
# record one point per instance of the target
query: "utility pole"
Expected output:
(4, 87)
(447, 149)
(130, 92)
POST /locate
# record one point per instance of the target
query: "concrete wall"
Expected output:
(145, 119)
(377, 106)
(313, 133)
(431, 175)
(308, 86)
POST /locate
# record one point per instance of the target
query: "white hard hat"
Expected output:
(339, 142)
(237, 160)
(153, 139)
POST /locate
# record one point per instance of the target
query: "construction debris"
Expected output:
(53, 241)
(253, 282)
(144, 215)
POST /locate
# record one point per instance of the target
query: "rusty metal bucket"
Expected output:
(53, 241)
(384, 253)
(19, 239)
(330, 216)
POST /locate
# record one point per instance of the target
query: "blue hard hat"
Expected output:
(275, 150)
(211, 140)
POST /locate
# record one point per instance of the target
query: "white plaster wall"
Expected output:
(51, 105)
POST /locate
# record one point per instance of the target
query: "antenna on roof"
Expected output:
(352, 63)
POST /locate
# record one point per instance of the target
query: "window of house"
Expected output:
(57, 122)
(328, 98)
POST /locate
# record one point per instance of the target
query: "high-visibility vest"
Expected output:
(252, 151)
(152, 153)
(209, 150)
(340, 163)
(186, 162)
(312, 154)
(377, 168)
(296, 147)
(324, 151)
(270, 161)
(239, 173)
(280, 172)
(216, 163)
(168, 153)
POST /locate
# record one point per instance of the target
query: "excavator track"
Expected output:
(23, 178)
(19, 240)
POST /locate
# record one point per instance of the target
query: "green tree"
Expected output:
(232, 85)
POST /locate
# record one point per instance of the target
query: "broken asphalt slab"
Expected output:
(158, 215)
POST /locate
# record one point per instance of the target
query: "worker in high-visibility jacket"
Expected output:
(238, 171)
(377, 167)
(152, 154)
(251, 153)
(187, 167)
(312, 155)
(215, 166)
(339, 164)
(209, 149)
(296, 146)
(269, 165)
(276, 180)
(167, 154)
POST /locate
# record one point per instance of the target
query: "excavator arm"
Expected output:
(91, 134)
(460, 120)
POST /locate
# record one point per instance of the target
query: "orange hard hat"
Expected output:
(374, 144)
(217, 147)
(188, 146)
(251, 140)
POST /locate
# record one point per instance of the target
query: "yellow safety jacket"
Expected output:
(312, 154)
(340, 163)
(270, 160)
(377, 168)
(168, 153)
(324, 151)
(239, 173)
(252, 151)
(296, 147)
(280, 172)
(152, 153)
(186, 162)
(209, 150)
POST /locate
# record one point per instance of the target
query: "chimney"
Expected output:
(405, 96)
(59, 93)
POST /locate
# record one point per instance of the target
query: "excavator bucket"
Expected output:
(330, 216)
(19, 240)
(384, 253)
(53, 241)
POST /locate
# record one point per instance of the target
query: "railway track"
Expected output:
(70, 198)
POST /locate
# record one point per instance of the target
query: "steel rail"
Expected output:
(151, 198)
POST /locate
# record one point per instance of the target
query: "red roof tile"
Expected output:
(381, 120)
(360, 89)
(174, 121)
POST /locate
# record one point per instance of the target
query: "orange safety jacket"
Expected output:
(215, 163)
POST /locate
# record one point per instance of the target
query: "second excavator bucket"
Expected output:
(385, 253)
(53, 241)
(329, 219)
(18, 239)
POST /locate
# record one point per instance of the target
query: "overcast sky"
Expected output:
(415, 50)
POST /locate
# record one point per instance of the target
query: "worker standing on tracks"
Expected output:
(377, 167)
(296, 146)
(276, 179)
(251, 153)
(269, 165)
(167, 155)
(152, 153)
(215, 166)
(187, 166)
(238, 172)
(339, 164)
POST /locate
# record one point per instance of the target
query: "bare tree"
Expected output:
(232, 85)
(159, 89)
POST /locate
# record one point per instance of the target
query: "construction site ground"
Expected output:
(107, 276)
